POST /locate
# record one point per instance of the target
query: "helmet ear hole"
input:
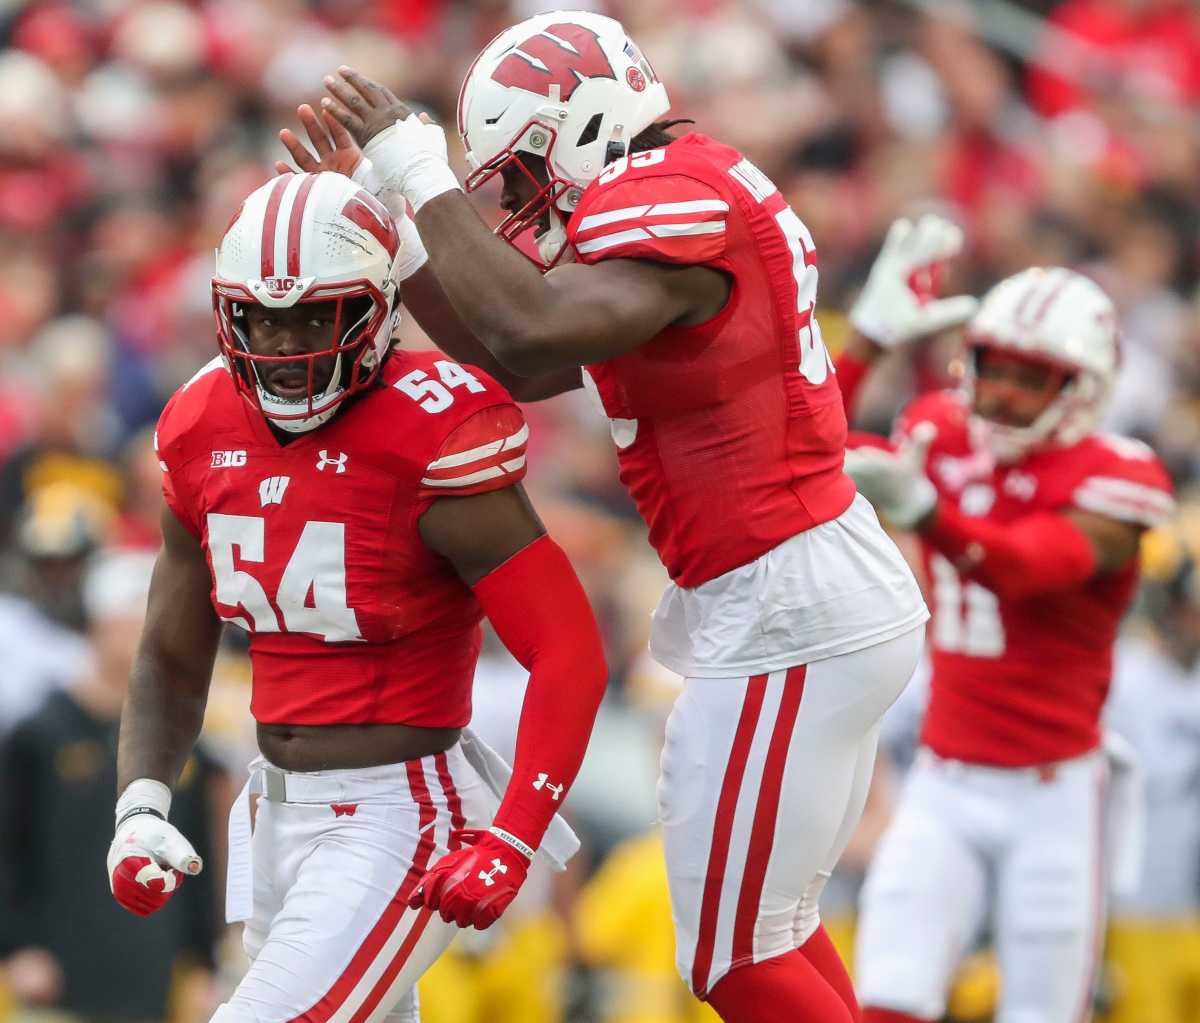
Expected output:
(591, 130)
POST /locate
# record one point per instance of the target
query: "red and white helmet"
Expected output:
(308, 238)
(1060, 318)
(568, 86)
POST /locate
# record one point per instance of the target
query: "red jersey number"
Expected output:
(317, 567)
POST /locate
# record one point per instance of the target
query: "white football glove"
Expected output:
(410, 158)
(412, 254)
(895, 481)
(888, 310)
(148, 857)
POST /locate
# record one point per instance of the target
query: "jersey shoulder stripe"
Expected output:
(486, 452)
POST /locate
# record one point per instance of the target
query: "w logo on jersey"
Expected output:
(271, 490)
(561, 54)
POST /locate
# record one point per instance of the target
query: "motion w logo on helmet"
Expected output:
(562, 54)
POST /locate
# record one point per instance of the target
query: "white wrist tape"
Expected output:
(411, 157)
(512, 840)
(412, 250)
(144, 795)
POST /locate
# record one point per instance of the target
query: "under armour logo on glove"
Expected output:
(475, 884)
(488, 876)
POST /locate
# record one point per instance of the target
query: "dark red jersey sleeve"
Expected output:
(485, 452)
(671, 218)
(1126, 482)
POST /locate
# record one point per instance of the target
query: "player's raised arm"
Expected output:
(530, 593)
(532, 323)
(897, 305)
(333, 149)
(160, 721)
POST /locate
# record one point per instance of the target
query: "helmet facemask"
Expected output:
(1059, 422)
(358, 316)
(543, 213)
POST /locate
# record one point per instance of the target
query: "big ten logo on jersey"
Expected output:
(228, 459)
(312, 590)
(436, 396)
(815, 363)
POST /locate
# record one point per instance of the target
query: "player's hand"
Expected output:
(147, 862)
(897, 304)
(335, 149)
(407, 152)
(363, 107)
(895, 481)
(472, 886)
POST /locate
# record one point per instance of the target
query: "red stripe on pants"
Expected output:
(762, 833)
(453, 802)
(386, 925)
(718, 855)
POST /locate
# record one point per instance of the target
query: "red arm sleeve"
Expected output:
(540, 612)
(851, 372)
(1034, 555)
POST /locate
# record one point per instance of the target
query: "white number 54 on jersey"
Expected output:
(317, 566)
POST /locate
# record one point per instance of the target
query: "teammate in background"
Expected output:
(1029, 523)
(791, 614)
(356, 510)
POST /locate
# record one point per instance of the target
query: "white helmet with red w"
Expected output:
(308, 238)
(1058, 317)
(568, 86)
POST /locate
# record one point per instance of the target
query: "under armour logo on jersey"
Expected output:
(1022, 485)
(488, 877)
(543, 781)
(343, 809)
(228, 459)
(270, 490)
(338, 463)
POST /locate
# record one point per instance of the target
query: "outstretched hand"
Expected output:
(335, 149)
(362, 107)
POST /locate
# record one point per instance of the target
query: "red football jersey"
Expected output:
(1023, 682)
(313, 545)
(730, 434)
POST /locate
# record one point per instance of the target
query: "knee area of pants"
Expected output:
(894, 990)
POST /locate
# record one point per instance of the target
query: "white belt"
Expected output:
(558, 846)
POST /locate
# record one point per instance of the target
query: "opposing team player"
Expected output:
(355, 509)
(1029, 522)
(791, 614)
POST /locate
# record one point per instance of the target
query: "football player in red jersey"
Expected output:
(1029, 522)
(356, 510)
(684, 284)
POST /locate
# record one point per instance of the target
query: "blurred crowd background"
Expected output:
(1054, 132)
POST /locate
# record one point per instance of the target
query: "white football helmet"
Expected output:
(308, 238)
(568, 86)
(1058, 317)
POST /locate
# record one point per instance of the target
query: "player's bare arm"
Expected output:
(163, 712)
(169, 689)
(333, 149)
(572, 316)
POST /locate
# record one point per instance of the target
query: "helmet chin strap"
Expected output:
(271, 402)
(1009, 444)
(552, 245)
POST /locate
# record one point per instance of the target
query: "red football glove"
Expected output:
(147, 862)
(473, 885)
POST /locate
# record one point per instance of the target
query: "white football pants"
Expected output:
(1024, 846)
(763, 781)
(335, 857)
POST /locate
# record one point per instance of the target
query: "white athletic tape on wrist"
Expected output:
(412, 250)
(410, 156)
(144, 795)
(512, 840)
